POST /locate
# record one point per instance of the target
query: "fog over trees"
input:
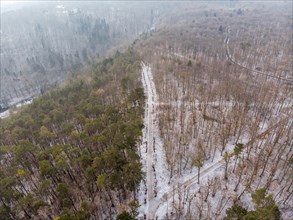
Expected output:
(146, 110)
(62, 38)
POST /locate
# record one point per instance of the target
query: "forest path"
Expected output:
(232, 60)
(149, 136)
(152, 153)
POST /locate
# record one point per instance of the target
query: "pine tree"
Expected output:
(236, 212)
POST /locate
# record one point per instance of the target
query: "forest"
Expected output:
(71, 154)
(224, 111)
(190, 121)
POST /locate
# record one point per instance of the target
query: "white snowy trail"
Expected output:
(151, 151)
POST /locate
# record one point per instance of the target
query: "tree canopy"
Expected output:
(265, 208)
(71, 154)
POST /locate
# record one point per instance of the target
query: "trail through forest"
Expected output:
(151, 151)
(232, 60)
(155, 192)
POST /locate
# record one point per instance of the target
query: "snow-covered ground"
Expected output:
(6, 113)
(151, 151)
(155, 192)
(160, 196)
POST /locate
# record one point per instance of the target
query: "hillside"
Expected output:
(158, 111)
(222, 109)
(72, 153)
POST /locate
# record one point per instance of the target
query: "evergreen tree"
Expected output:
(236, 212)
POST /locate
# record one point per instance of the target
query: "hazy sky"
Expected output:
(5, 3)
(8, 5)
